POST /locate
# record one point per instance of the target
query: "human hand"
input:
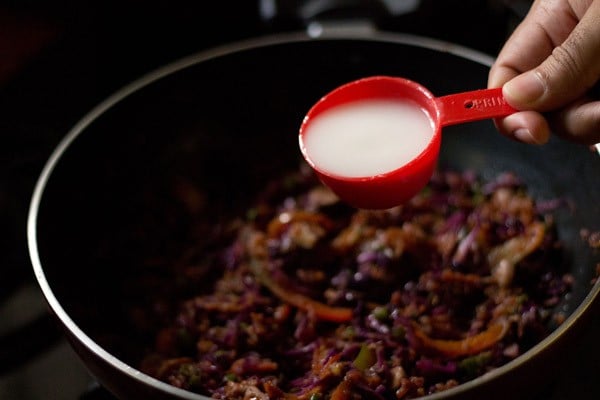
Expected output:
(548, 68)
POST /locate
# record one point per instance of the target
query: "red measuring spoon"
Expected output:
(396, 186)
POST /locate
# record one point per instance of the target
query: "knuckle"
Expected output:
(567, 65)
(566, 74)
(566, 61)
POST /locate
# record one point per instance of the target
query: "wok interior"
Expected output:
(227, 125)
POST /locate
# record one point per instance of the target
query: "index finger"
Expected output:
(545, 27)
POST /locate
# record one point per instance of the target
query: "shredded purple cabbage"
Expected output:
(307, 298)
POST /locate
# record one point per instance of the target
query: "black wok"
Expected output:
(227, 120)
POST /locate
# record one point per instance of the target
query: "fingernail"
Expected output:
(525, 89)
(525, 135)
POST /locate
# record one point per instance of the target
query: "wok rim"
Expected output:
(224, 50)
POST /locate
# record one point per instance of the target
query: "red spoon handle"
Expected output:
(472, 106)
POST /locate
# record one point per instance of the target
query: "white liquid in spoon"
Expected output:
(367, 138)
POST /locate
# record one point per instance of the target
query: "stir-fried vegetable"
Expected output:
(315, 308)
(305, 298)
(467, 346)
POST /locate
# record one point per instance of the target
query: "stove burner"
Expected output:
(96, 392)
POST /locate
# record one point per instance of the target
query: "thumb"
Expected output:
(570, 71)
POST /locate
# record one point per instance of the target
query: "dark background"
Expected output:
(58, 59)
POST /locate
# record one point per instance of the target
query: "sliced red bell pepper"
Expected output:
(467, 346)
(320, 310)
